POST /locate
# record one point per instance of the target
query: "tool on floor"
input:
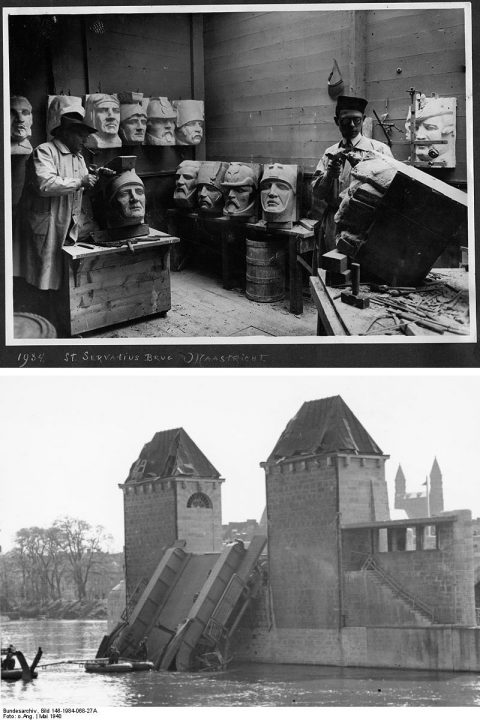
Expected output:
(354, 297)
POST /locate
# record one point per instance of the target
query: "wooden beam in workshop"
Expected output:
(197, 69)
(358, 53)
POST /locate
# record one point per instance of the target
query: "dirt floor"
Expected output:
(202, 308)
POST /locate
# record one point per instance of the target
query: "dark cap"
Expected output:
(348, 102)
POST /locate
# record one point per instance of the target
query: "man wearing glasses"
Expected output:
(332, 174)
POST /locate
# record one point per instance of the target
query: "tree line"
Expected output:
(69, 558)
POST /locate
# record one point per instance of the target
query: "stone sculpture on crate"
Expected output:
(124, 198)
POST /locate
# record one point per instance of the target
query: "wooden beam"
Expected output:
(358, 53)
(197, 71)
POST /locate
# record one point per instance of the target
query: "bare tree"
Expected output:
(81, 544)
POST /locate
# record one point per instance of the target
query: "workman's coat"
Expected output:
(324, 186)
(49, 213)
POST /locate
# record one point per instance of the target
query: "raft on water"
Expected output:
(101, 665)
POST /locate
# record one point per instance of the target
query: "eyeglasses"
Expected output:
(348, 120)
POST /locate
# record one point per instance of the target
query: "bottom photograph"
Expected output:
(239, 540)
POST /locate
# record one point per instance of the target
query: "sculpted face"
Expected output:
(431, 129)
(209, 198)
(238, 199)
(107, 117)
(129, 203)
(163, 129)
(275, 195)
(191, 133)
(21, 119)
(134, 129)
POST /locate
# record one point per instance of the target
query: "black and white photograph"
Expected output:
(240, 540)
(241, 176)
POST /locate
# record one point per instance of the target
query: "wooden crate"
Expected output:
(104, 286)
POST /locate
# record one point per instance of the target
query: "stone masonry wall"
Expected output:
(429, 648)
(150, 527)
(363, 490)
(441, 578)
(200, 527)
(302, 532)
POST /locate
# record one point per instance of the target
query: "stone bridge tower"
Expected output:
(172, 493)
(324, 471)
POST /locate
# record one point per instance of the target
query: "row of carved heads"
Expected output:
(129, 118)
(235, 190)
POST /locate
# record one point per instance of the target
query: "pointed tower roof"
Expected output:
(322, 426)
(400, 477)
(435, 471)
(171, 453)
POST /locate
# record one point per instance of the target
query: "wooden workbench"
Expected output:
(108, 285)
(338, 318)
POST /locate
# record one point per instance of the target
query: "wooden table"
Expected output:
(338, 318)
(108, 285)
(300, 240)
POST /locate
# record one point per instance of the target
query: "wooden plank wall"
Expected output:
(266, 84)
(266, 77)
(428, 47)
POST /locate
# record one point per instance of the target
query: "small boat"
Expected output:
(101, 665)
(25, 671)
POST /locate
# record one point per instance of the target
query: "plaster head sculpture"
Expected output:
(186, 175)
(103, 112)
(161, 118)
(278, 189)
(210, 191)
(190, 121)
(55, 106)
(435, 119)
(124, 196)
(133, 118)
(241, 183)
(21, 120)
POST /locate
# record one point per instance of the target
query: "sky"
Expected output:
(69, 440)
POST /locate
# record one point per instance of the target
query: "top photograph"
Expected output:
(240, 177)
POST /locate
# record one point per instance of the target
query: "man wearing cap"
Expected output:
(103, 113)
(190, 118)
(160, 122)
(241, 181)
(49, 211)
(332, 174)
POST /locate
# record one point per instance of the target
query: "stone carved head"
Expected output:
(190, 121)
(278, 188)
(241, 184)
(161, 118)
(133, 118)
(435, 119)
(210, 191)
(186, 175)
(103, 112)
(21, 119)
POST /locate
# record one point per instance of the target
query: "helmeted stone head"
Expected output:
(241, 184)
(103, 112)
(278, 188)
(161, 116)
(133, 117)
(210, 191)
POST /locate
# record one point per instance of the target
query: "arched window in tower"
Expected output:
(199, 500)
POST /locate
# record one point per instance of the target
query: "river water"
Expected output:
(69, 685)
